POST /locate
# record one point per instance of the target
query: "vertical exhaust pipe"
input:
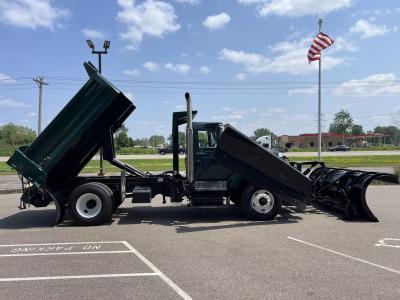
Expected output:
(189, 139)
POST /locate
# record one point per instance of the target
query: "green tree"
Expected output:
(16, 135)
(342, 122)
(181, 137)
(392, 131)
(156, 140)
(121, 138)
(262, 132)
(357, 129)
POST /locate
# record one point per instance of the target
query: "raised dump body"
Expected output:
(75, 135)
(256, 164)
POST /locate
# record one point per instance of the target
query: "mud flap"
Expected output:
(60, 209)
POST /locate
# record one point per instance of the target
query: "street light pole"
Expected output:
(106, 46)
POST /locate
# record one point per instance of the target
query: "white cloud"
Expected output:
(13, 103)
(204, 70)
(32, 13)
(288, 57)
(296, 8)
(6, 79)
(133, 72)
(129, 95)
(93, 33)
(249, 2)
(217, 21)
(166, 102)
(31, 114)
(233, 113)
(181, 107)
(150, 66)
(225, 118)
(343, 43)
(241, 76)
(373, 85)
(193, 2)
(151, 18)
(302, 91)
(375, 12)
(367, 29)
(178, 68)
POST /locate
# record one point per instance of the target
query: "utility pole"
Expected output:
(106, 46)
(40, 82)
(319, 99)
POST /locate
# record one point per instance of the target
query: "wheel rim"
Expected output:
(262, 201)
(88, 205)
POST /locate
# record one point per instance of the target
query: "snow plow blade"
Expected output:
(345, 190)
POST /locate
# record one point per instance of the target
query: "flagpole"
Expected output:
(319, 99)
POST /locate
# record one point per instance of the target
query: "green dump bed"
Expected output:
(256, 164)
(75, 135)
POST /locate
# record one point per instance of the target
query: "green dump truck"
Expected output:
(222, 166)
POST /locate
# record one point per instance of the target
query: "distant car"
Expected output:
(340, 148)
(166, 150)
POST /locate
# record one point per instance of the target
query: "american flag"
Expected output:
(321, 42)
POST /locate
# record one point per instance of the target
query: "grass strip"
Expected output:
(166, 164)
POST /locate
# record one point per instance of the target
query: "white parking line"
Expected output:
(156, 271)
(66, 243)
(65, 253)
(77, 277)
(173, 285)
(346, 255)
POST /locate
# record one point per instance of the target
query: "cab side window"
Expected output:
(207, 139)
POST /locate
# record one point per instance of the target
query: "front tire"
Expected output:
(162, 152)
(260, 204)
(91, 204)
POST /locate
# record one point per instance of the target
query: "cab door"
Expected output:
(205, 141)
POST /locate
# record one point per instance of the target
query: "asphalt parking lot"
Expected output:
(175, 252)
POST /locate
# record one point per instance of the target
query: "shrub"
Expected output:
(132, 150)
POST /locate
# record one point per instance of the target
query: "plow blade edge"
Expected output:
(345, 190)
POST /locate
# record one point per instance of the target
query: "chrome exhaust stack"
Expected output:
(189, 140)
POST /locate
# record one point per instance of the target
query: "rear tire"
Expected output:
(162, 152)
(116, 201)
(260, 204)
(91, 204)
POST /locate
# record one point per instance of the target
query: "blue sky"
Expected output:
(244, 61)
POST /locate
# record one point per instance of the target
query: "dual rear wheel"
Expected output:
(91, 204)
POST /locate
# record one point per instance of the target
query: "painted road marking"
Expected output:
(173, 285)
(346, 255)
(78, 277)
(65, 243)
(73, 248)
(393, 243)
(64, 253)
(40, 250)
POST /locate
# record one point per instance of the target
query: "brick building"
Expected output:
(310, 140)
